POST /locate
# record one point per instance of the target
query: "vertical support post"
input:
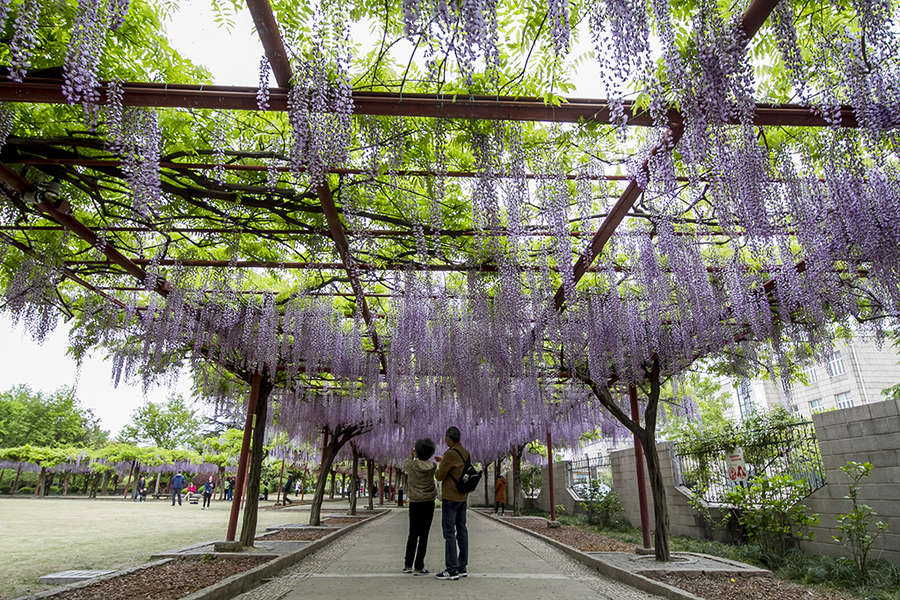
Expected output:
(381, 502)
(639, 471)
(550, 467)
(245, 457)
(280, 483)
(303, 489)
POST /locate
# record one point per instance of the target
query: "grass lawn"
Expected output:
(42, 536)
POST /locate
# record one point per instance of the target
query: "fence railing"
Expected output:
(792, 450)
(580, 473)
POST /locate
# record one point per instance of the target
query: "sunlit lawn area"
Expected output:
(41, 536)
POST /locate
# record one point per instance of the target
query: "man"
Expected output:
(453, 507)
(287, 490)
(177, 484)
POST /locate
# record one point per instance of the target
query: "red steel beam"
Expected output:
(326, 200)
(49, 91)
(270, 36)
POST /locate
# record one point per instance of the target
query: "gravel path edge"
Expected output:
(627, 577)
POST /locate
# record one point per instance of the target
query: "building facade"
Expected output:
(854, 375)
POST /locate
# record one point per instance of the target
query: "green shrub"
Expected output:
(769, 509)
(602, 504)
(5, 489)
(857, 536)
(25, 490)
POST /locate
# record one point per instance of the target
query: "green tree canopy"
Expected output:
(171, 424)
(54, 420)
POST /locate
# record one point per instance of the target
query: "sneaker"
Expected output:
(447, 575)
(407, 569)
(420, 572)
(462, 572)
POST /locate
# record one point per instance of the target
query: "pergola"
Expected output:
(269, 223)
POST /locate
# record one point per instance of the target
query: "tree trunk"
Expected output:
(254, 470)
(354, 479)
(94, 482)
(115, 484)
(2, 473)
(16, 482)
(222, 483)
(65, 484)
(39, 486)
(381, 498)
(315, 510)
(128, 481)
(303, 489)
(333, 477)
(660, 506)
(370, 490)
(517, 480)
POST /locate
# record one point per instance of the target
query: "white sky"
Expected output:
(233, 58)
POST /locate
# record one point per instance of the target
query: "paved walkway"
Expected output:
(503, 563)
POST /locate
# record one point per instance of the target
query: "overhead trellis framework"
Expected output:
(454, 242)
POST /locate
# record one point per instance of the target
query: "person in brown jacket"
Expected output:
(422, 492)
(500, 495)
(453, 507)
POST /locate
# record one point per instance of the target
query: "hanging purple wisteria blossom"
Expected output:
(262, 94)
(24, 39)
(118, 11)
(80, 78)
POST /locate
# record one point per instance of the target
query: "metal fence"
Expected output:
(791, 450)
(580, 473)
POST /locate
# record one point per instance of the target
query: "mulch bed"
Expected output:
(730, 587)
(585, 541)
(297, 535)
(173, 580)
(343, 520)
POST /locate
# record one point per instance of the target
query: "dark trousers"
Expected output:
(501, 506)
(421, 514)
(453, 523)
(176, 493)
(206, 498)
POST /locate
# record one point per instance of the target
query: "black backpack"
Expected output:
(470, 477)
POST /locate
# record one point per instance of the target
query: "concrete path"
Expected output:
(503, 563)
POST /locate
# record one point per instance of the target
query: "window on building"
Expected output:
(745, 397)
(844, 400)
(835, 364)
(816, 405)
(811, 374)
(794, 409)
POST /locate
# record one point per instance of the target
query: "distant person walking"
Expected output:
(453, 507)
(500, 495)
(177, 485)
(287, 489)
(208, 488)
(422, 492)
(229, 487)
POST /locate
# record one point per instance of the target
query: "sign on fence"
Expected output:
(737, 468)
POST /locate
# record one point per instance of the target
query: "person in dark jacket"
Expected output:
(177, 485)
(208, 488)
(287, 489)
(140, 489)
(422, 492)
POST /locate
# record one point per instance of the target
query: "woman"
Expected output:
(500, 495)
(422, 492)
(208, 488)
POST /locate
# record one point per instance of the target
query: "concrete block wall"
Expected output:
(684, 519)
(562, 495)
(869, 433)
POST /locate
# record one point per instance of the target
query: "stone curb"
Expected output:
(635, 580)
(81, 584)
(232, 586)
(242, 582)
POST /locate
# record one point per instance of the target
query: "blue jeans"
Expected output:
(453, 523)
(176, 493)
